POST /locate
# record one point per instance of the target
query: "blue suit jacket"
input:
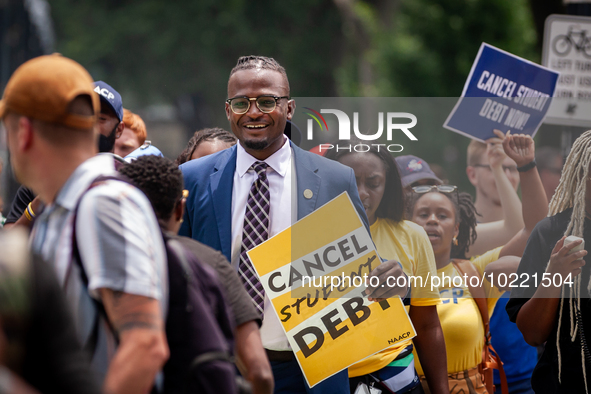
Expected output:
(208, 216)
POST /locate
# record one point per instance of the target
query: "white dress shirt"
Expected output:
(280, 174)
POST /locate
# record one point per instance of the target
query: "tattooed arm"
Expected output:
(142, 347)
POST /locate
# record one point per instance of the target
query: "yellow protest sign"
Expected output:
(315, 273)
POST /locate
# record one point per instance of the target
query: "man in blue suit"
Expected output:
(297, 182)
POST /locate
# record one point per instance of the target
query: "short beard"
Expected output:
(256, 145)
(107, 143)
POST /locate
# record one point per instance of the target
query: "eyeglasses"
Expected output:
(266, 104)
(505, 168)
(439, 188)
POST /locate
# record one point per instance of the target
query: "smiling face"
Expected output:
(259, 133)
(370, 175)
(436, 214)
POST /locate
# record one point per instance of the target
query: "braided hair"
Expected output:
(465, 213)
(203, 135)
(570, 193)
(252, 62)
(571, 189)
(467, 220)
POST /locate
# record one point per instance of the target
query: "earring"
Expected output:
(455, 240)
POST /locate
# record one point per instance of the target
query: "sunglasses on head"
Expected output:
(429, 188)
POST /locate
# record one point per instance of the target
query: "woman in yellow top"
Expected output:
(380, 190)
(449, 219)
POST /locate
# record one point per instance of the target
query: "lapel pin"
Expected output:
(308, 193)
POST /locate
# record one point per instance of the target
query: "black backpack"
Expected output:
(198, 327)
(199, 330)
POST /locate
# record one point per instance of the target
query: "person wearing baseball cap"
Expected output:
(109, 127)
(110, 119)
(101, 238)
(415, 171)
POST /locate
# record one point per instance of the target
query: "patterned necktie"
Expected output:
(254, 232)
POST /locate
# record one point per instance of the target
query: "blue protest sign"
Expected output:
(503, 92)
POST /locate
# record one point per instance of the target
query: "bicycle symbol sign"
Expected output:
(579, 40)
(567, 50)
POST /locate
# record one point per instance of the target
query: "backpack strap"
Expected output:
(203, 362)
(179, 252)
(91, 343)
(490, 358)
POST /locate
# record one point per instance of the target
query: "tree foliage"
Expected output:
(426, 48)
(162, 50)
(181, 52)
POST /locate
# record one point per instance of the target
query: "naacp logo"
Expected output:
(105, 93)
(394, 122)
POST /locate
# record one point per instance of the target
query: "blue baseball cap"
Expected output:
(111, 97)
(414, 169)
(145, 150)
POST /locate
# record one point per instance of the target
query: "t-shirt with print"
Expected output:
(406, 242)
(459, 315)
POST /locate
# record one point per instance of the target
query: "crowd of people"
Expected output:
(127, 272)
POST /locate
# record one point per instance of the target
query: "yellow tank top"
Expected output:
(460, 318)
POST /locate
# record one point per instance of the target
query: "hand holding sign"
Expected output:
(314, 272)
(519, 147)
(502, 92)
(387, 275)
